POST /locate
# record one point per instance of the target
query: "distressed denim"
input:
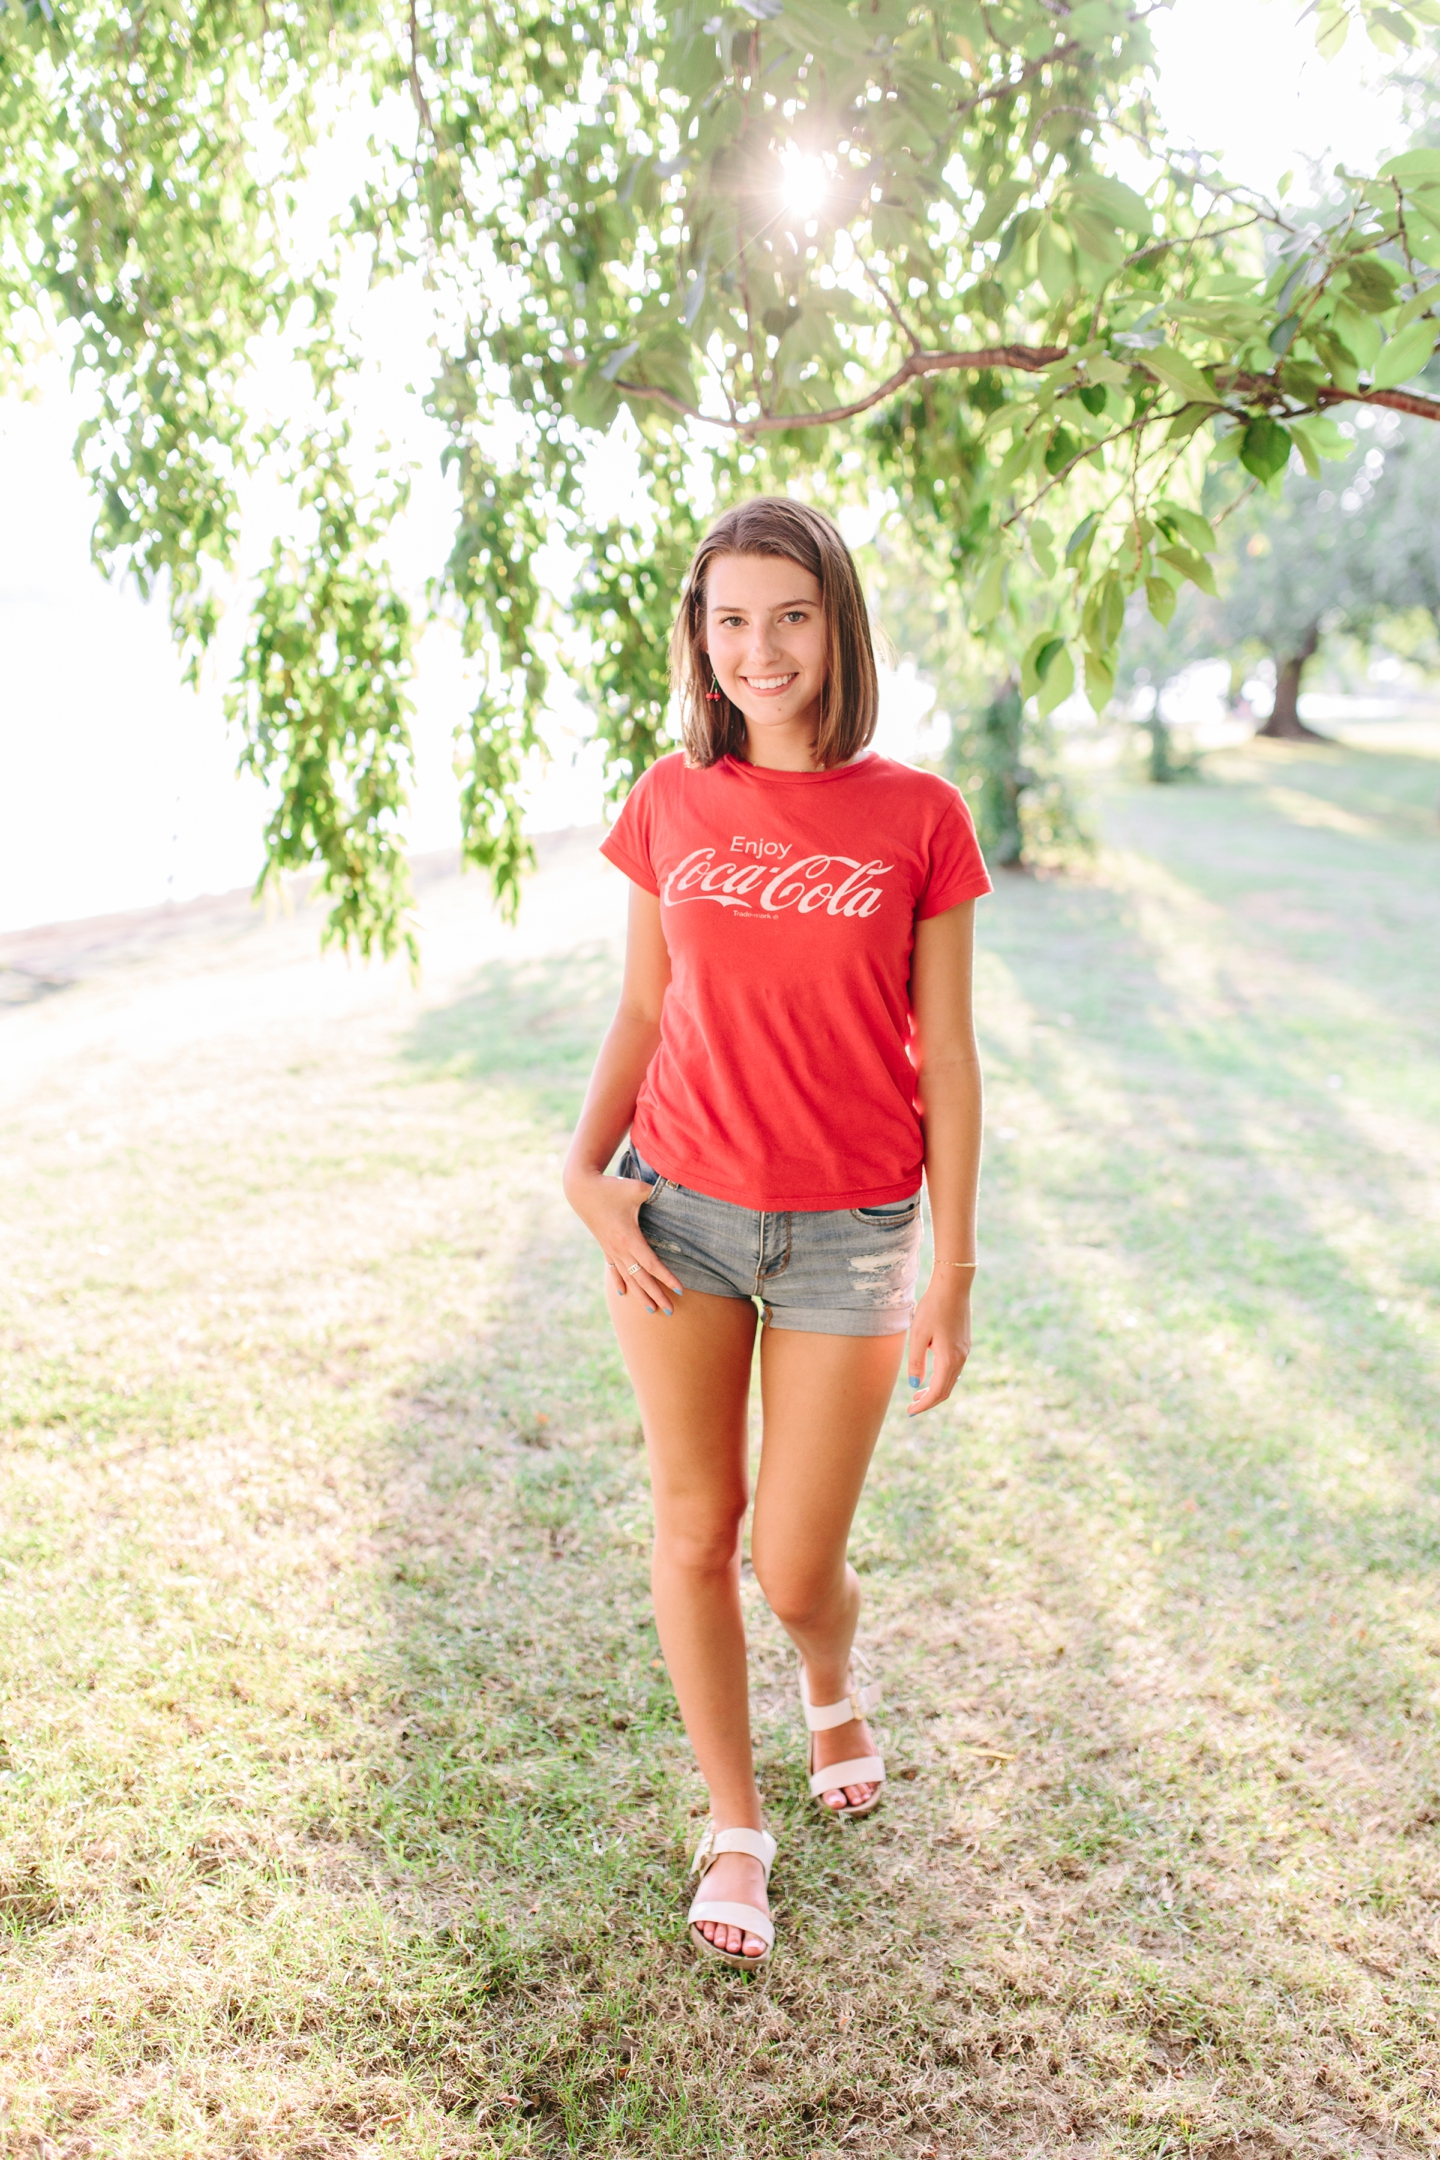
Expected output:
(841, 1271)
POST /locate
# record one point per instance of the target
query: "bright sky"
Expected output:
(118, 785)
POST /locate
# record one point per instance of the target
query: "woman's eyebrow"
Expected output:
(721, 608)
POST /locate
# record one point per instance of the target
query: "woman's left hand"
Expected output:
(940, 1329)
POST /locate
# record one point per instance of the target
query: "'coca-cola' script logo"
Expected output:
(817, 881)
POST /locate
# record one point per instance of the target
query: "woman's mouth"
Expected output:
(770, 685)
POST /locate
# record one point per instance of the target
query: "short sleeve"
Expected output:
(630, 842)
(957, 868)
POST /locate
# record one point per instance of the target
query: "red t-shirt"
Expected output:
(789, 901)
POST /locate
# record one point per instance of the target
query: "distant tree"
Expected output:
(1332, 555)
(1406, 520)
(1317, 561)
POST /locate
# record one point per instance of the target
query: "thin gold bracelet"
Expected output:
(957, 1263)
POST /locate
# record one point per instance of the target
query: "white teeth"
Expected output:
(768, 682)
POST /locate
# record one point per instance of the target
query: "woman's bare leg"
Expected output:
(825, 1398)
(691, 1376)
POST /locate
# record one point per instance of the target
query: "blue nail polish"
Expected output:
(917, 1383)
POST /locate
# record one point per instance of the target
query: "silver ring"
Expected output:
(634, 1269)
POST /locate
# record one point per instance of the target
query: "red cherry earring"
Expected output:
(714, 691)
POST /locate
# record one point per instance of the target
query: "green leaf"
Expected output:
(1115, 201)
(1332, 25)
(1370, 284)
(1404, 355)
(1093, 236)
(1307, 451)
(1064, 445)
(1265, 450)
(1412, 165)
(1196, 529)
(1057, 680)
(1418, 304)
(989, 593)
(997, 209)
(1191, 565)
(1079, 541)
(1338, 358)
(1324, 436)
(1384, 19)
(1362, 333)
(1014, 462)
(1282, 337)
(1162, 596)
(1185, 423)
(1038, 660)
(1177, 373)
(1103, 617)
(1099, 680)
(1042, 547)
(1054, 263)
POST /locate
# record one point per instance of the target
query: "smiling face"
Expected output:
(766, 637)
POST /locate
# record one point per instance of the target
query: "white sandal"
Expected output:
(864, 1769)
(760, 1846)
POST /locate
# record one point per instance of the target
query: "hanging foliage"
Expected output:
(870, 247)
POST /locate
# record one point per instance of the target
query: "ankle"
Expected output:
(828, 1680)
(737, 1811)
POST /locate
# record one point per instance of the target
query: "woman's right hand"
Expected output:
(610, 1208)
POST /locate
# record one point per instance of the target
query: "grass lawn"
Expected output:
(343, 1804)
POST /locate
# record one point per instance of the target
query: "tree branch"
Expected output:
(1031, 360)
(1012, 83)
(1406, 401)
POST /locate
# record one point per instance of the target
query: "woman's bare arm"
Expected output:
(950, 1108)
(610, 1207)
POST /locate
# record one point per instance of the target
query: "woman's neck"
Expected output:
(779, 756)
(784, 746)
(786, 757)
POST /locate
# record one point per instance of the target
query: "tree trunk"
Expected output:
(999, 741)
(1285, 720)
(1162, 762)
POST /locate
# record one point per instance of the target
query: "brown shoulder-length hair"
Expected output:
(712, 727)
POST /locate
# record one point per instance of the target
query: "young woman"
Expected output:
(793, 1048)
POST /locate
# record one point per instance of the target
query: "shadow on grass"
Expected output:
(1159, 1844)
(531, 1026)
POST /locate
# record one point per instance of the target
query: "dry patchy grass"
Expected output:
(343, 1805)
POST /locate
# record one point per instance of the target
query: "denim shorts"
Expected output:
(840, 1271)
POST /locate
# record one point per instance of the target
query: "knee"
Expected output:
(800, 1598)
(701, 1546)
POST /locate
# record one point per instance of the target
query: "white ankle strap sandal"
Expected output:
(760, 1846)
(862, 1769)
